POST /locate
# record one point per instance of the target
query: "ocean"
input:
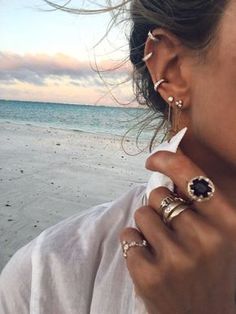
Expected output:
(85, 118)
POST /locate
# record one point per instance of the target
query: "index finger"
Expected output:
(182, 170)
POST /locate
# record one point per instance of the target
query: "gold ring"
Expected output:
(178, 210)
(170, 208)
(127, 245)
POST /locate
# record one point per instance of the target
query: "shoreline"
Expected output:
(48, 174)
(102, 134)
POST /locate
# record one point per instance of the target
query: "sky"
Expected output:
(50, 55)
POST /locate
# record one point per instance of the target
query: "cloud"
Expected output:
(36, 69)
(61, 78)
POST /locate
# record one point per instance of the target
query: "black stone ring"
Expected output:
(201, 188)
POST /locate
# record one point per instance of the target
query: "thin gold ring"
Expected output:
(178, 210)
(168, 210)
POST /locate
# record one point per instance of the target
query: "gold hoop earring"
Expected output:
(158, 84)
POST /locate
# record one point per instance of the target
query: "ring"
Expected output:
(200, 188)
(167, 211)
(170, 199)
(170, 207)
(178, 210)
(127, 245)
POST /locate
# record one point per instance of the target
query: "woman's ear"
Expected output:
(171, 61)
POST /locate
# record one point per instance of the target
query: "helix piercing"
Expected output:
(147, 57)
(153, 38)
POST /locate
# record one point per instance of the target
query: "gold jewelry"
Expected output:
(127, 245)
(171, 204)
(147, 57)
(158, 84)
(179, 104)
(200, 188)
(178, 210)
(167, 125)
(172, 124)
(176, 121)
(152, 37)
(171, 99)
(170, 209)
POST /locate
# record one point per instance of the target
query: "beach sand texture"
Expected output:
(48, 174)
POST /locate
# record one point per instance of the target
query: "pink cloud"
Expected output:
(59, 78)
(37, 68)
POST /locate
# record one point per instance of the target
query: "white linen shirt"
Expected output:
(77, 266)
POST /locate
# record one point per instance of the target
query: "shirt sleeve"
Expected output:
(15, 282)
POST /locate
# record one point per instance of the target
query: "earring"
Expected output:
(172, 123)
(179, 104)
(167, 126)
(147, 57)
(158, 84)
(153, 38)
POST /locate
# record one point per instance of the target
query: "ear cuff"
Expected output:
(156, 40)
(152, 37)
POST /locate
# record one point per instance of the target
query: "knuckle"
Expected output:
(176, 164)
(230, 224)
(152, 281)
(216, 241)
(125, 233)
(207, 243)
(212, 245)
(178, 262)
(140, 212)
(184, 266)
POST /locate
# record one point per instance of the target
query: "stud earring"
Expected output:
(171, 99)
(179, 104)
(158, 84)
(147, 57)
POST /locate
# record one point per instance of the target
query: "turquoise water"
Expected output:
(86, 118)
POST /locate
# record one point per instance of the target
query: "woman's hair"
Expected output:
(193, 22)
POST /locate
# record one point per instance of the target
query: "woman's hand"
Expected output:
(188, 267)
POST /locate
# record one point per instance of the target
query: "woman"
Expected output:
(177, 232)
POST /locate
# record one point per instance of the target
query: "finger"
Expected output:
(181, 170)
(160, 237)
(138, 256)
(188, 225)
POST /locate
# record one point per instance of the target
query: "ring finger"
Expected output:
(136, 256)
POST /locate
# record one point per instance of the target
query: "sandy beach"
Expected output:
(48, 174)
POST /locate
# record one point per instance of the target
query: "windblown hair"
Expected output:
(193, 22)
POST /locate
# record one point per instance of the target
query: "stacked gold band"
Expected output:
(171, 206)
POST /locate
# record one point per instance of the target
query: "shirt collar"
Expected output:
(158, 179)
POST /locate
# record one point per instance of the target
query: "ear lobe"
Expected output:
(168, 61)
